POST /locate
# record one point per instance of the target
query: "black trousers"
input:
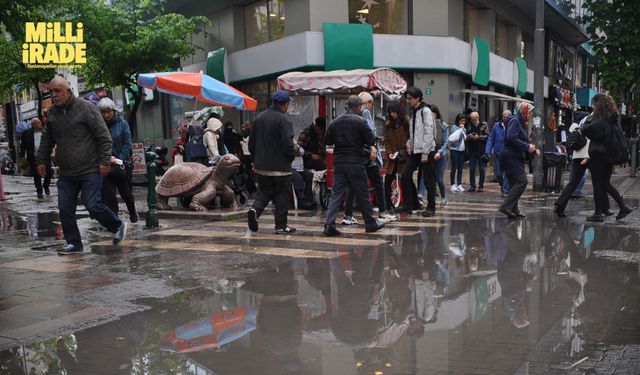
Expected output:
(601, 170)
(302, 184)
(121, 183)
(429, 171)
(373, 173)
(353, 177)
(517, 186)
(276, 189)
(37, 180)
(577, 172)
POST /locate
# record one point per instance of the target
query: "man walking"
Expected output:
(421, 147)
(354, 146)
(495, 142)
(29, 143)
(83, 154)
(477, 138)
(272, 150)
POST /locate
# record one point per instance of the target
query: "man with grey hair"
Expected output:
(29, 142)
(354, 146)
(494, 147)
(83, 154)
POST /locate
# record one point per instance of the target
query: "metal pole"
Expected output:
(538, 94)
(634, 157)
(152, 197)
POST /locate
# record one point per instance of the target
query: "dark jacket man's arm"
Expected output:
(101, 133)
(367, 135)
(252, 142)
(287, 140)
(23, 144)
(47, 142)
(328, 137)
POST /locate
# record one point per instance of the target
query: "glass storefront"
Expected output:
(264, 22)
(389, 17)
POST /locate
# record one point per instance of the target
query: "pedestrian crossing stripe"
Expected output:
(224, 248)
(274, 237)
(386, 231)
(320, 221)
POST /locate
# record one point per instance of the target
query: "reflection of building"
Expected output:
(462, 53)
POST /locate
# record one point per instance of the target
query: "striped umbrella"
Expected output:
(199, 86)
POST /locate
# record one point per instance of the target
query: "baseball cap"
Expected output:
(281, 97)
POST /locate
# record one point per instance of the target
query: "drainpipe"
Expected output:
(538, 94)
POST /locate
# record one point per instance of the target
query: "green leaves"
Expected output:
(615, 37)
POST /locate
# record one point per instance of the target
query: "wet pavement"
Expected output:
(465, 292)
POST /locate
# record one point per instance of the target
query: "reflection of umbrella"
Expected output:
(199, 86)
(213, 331)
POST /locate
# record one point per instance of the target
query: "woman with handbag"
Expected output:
(457, 147)
(396, 134)
(602, 129)
(119, 176)
(515, 153)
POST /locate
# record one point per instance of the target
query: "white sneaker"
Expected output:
(349, 220)
(443, 202)
(453, 188)
(460, 188)
(388, 217)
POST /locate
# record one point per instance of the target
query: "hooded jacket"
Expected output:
(422, 130)
(210, 139)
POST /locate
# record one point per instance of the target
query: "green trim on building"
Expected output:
(216, 64)
(348, 46)
(521, 80)
(480, 67)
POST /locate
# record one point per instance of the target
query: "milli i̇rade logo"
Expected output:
(54, 45)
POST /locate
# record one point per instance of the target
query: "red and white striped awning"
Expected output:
(343, 81)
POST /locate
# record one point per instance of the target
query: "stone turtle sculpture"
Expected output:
(203, 182)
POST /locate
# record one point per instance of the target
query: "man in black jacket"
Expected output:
(272, 151)
(29, 143)
(354, 145)
(83, 154)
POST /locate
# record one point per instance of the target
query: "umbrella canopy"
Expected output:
(199, 86)
(343, 81)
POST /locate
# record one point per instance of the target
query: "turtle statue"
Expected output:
(199, 181)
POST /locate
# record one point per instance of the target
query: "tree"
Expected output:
(13, 16)
(130, 37)
(615, 38)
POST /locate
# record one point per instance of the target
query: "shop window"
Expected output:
(386, 17)
(263, 22)
(470, 22)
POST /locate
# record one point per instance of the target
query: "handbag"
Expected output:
(117, 172)
(195, 150)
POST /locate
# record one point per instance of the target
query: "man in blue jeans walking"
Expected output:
(83, 154)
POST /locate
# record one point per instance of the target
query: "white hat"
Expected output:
(214, 124)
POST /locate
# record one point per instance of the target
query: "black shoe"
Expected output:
(308, 205)
(40, 196)
(504, 195)
(599, 218)
(578, 195)
(609, 212)
(70, 249)
(520, 215)
(428, 213)
(508, 212)
(480, 190)
(133, 217)
(252, 219)
(374, 227)
(624, 211)
(472, 189)
(286, 230)
(331, 231)
(559, 211)
(47, 192)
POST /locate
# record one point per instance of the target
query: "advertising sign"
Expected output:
(139, 166)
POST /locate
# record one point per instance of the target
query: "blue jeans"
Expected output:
(457, 164)
(581, 184)
(474, 160)
(503, 181)
(89, 186)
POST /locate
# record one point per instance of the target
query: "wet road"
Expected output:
(466, 292)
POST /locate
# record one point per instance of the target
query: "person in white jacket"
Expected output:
(421, 148)
(579, 165)
(456, 146)
(211, 137)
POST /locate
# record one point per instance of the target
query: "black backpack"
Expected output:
(576, 140)
(618, 145)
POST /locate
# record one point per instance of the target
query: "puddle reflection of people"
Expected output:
(517, 271)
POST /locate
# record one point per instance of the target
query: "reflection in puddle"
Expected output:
(36, 225)
(489, 294)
